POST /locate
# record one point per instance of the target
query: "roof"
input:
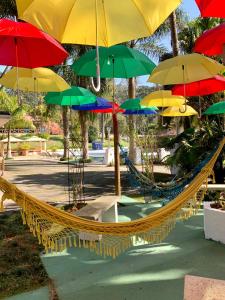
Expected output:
(35, 139)
(12, 140)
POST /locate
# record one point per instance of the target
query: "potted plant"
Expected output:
(24, 149)
(214, 219)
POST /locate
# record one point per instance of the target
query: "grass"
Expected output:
(21, 269)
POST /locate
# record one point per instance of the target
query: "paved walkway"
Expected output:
(145, 272)
(48, 180)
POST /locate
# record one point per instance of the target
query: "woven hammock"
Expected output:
(58, 230)
(167, 191)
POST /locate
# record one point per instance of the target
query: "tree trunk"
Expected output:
(116, 155)
(131, 120)
(174, 36)
(102, 121)
(84, 122)
(9, 150)
(65, 120)
(84, 133)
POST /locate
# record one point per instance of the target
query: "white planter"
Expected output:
(214, 223)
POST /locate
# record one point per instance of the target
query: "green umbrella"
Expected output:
(115, 62)
(73, 96)
(216, 109)
(134, 104)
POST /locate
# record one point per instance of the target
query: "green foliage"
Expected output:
(193, 30)
(44, 135)
(193, 144)
(92, 134)
(24, 146)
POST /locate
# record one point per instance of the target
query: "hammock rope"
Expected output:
(58, 230)
(170, 190)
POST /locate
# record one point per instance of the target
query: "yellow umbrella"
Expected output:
(185, 69)
(96, 22)
(176, 111)
(162, 98)
(34, 80)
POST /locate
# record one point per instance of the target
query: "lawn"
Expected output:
(21, 269)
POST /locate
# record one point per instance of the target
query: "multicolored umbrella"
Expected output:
(99, 104)
(212, 41)
(102, 23)
(179, 111)
(34, 80)
(162, 98)
(23, 45)
(216, 109)
(140, 112)
(113, 110)
(73, 96)
(185, 69)
(135, 104)
(211, 8)
(201, 87)
(115, 62)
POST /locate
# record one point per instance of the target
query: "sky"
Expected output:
(192, 10)
(190, 7)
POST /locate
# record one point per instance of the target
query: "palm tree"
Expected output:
(193, 29)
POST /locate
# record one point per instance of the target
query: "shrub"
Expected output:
(44, 135)
(24, 146)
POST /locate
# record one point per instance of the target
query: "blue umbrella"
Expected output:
(140, 112)
(100, 103)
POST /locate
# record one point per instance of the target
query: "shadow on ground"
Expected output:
(144, 272)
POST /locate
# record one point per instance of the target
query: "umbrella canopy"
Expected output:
(100, 103)
(134, 104)
(211, 8)
(73, 96)
(201, 87)
(114, 109)
(115, 62)
(23, 45)
(185, 69)
(211, 41)
(140, 112)
(103, 22)
(216, 109)
(34, 80)
(12, 140)
(179, 111)
(162, 98)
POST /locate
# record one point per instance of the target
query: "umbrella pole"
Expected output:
(116, 143)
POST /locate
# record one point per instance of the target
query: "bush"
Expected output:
(53, 148)
(87, 160)
(44, 135)
(24, 146)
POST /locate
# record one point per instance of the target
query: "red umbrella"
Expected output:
(201, 87)
(115, 108)
(211, 41)
(211, 8)
(23, 45)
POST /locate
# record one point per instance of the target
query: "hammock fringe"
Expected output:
(58, 230)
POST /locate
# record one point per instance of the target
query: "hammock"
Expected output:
(58, 230)
(169, 190)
